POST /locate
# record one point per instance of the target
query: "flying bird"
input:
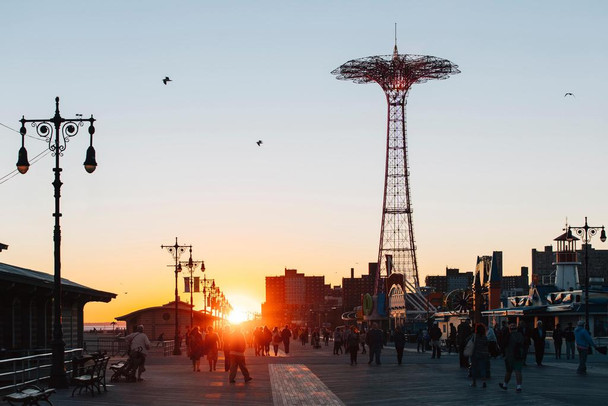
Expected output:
(569, 94)
(166, 79)
(259, 142)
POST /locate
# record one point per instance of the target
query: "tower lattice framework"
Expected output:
(396, 74)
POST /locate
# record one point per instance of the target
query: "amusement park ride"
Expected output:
(397, 274)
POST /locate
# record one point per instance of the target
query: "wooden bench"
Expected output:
(93, 377)
(29, 395)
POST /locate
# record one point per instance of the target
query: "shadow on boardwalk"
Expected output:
(422, 380)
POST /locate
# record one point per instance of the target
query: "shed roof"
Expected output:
(12, 273)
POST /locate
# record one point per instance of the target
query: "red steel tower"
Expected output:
(396, 73)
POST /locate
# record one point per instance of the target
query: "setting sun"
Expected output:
(237, 316)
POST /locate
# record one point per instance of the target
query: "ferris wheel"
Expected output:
(459, 300)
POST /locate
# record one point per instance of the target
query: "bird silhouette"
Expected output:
(166, 79)
(259, 142)
(569, 94)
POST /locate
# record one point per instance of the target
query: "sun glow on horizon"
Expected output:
(237, 316)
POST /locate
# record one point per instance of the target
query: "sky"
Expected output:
(499, 158)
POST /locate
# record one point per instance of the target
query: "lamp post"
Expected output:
(207, 284)
(177, 251)
(586, 232)
(57, 131)
(191, 264)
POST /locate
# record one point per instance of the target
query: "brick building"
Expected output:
(452, 280)
(294, 298)
(353, 288)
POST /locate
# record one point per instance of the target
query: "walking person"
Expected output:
(464, 332)
(399, 340)
(420, 341)
(226, 347)
(138, 344)
(493, 348)
(504, 337)
(539, 334)
(286, 335)
(212, 346)
(337, 341)
(480, 358)
(435, 335)
(514, 357)
(353, 344)
(258, 341)
(451, 341)
(276, 340)
(525, 331)
(237, 356)
(304, 336)
(569, 338)
(362, 335)
(375, 341)
(558, 336)
(267, 340)
(584, 342)
(195, 348)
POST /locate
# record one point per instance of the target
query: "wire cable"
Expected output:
(35, 159)
(27, 135)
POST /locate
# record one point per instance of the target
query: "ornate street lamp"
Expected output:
(176, 250)
(586, 232)
(57, 131)
(192, 265)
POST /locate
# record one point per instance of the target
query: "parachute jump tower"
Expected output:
(396, 74)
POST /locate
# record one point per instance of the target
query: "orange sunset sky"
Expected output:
(499, 158)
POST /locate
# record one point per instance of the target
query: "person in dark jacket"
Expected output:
(464, 332)
(286, 335)
(195, 348)
(514, 357)
(569, 338)
(399, 343)
(480, 357)
(352, 344)
(558, 336)
(226, 347)
(435, 335)
(451, 341)
(539, 334)
(525, 331)
(375, 341)
(504, 337)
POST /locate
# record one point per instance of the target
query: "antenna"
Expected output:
(395, 34)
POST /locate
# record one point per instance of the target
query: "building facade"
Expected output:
(354, 288)
(26, 310)
(294, 299)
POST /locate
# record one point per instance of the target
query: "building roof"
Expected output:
(12, 273)
(181, 307)
(567, 236)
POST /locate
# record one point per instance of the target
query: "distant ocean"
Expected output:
(104, 326)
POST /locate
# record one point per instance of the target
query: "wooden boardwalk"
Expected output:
(309, 376)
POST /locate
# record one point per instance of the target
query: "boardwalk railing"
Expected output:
(110, 345)
(116, 346)
(33, 369)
